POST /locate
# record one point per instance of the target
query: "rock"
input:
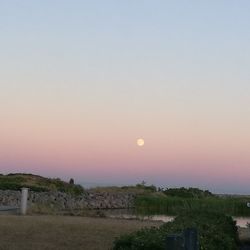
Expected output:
(67, 201)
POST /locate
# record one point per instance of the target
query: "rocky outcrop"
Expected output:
(10, 198)
(64, 201)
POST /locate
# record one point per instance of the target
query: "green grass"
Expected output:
(159, 204)
(37, 183)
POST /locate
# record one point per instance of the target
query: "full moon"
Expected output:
(140, 142)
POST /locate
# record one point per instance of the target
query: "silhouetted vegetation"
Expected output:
(140, 188)
(71, 181)
(187, 192)
(37, 183)
(216, 231)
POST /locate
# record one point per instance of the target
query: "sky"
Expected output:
(81, 81)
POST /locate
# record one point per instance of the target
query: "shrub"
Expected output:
(187, 192)
(216, 231)
(143, 186)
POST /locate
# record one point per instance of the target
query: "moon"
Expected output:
(140, 142)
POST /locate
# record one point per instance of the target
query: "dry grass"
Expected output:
(63, 232)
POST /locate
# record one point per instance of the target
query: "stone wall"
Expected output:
(64, 201)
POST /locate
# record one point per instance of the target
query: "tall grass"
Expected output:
(150, 204)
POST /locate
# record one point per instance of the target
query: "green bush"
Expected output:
(150, 188)
(216, 231)
(76, 189)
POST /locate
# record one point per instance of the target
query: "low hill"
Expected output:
(37, 183)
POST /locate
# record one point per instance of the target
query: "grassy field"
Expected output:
(63, 232)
